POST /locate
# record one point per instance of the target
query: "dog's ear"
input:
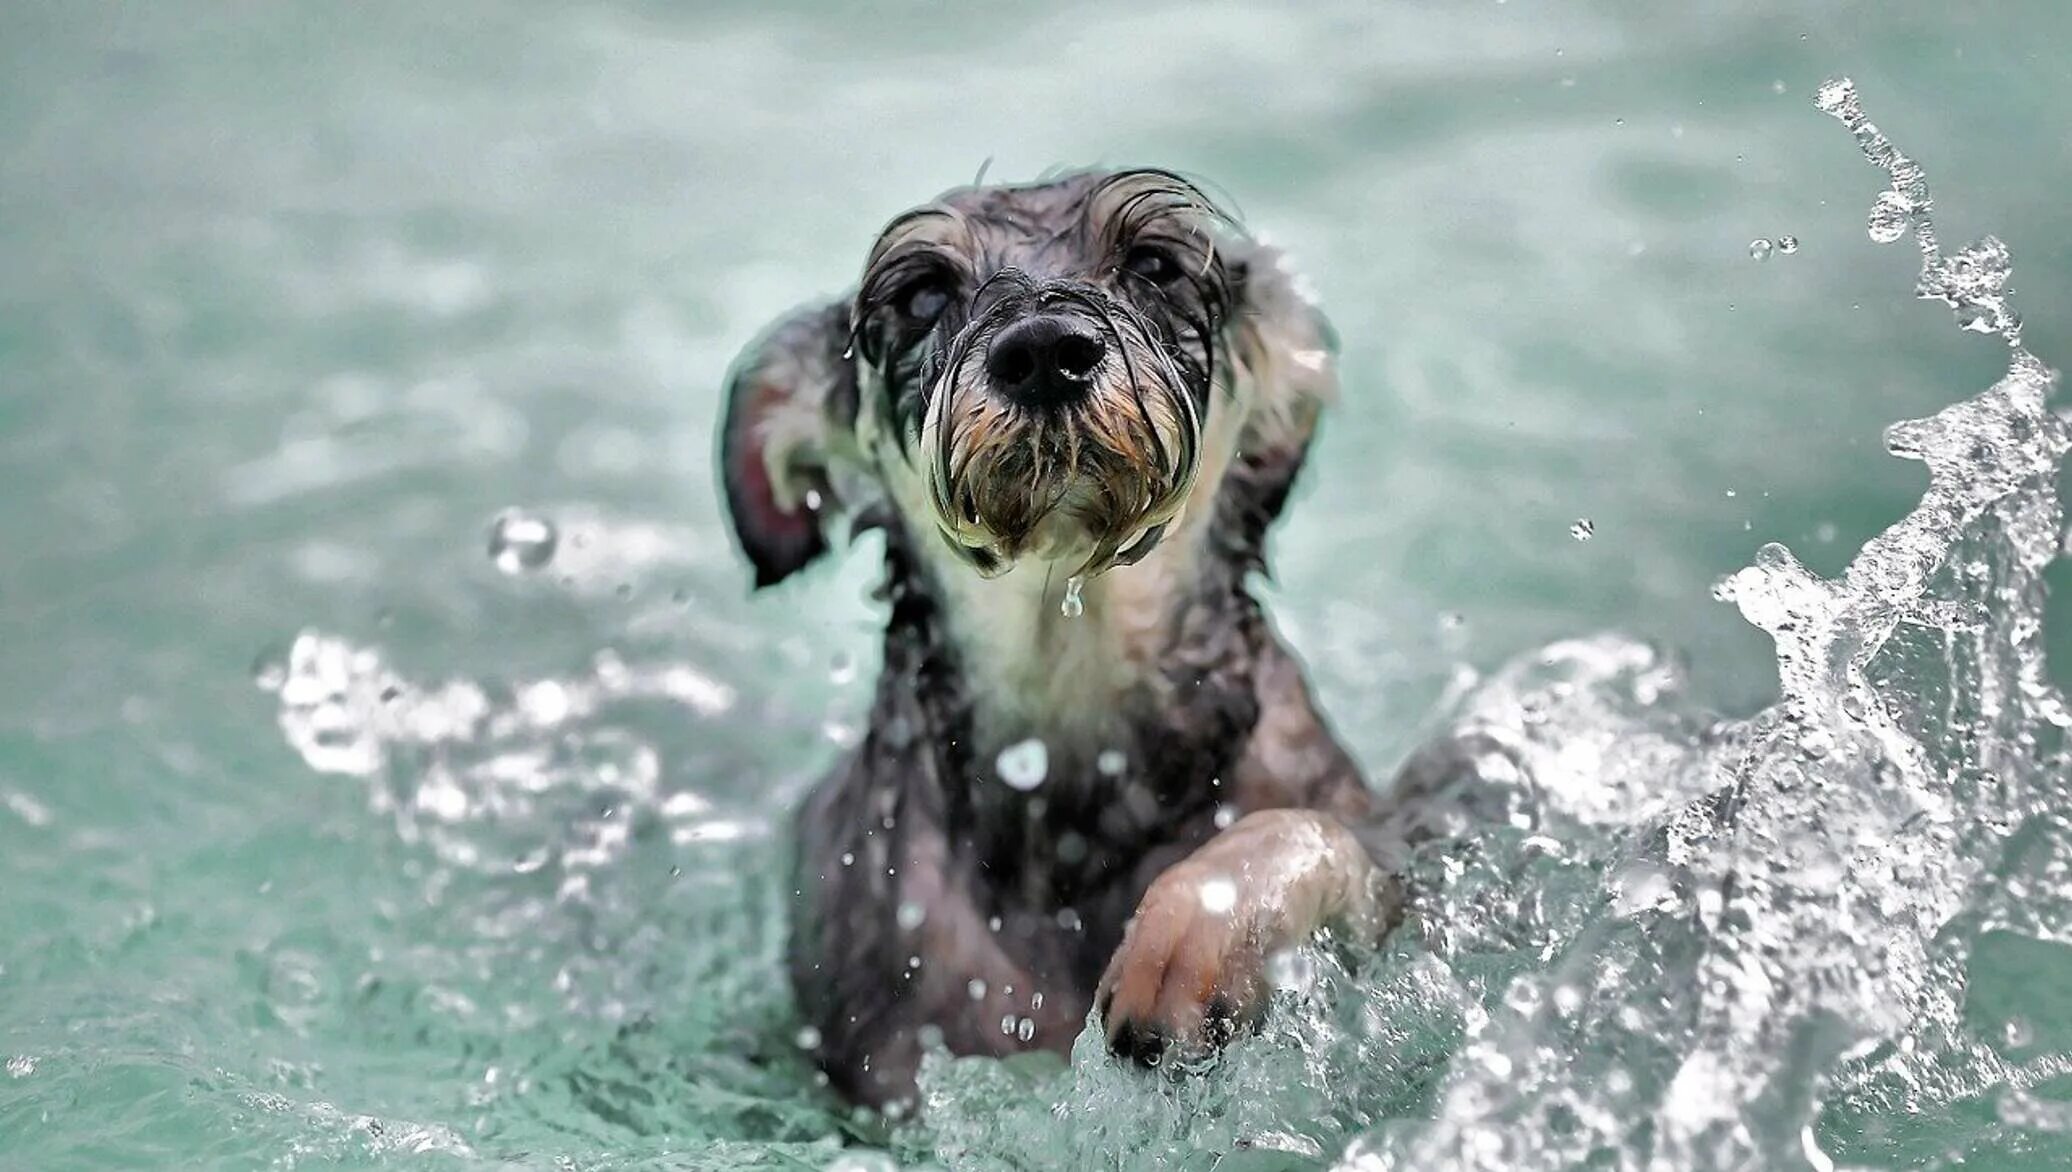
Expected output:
(1282, 345)
(791, 398)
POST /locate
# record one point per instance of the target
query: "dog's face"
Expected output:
(1042, 358)
(1028, 371)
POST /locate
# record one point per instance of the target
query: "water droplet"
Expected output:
(1026, 1029)
(1024, 764)
(1073, 606)
(976, 988)
(1218, 896)
(1583, 530)
(270, 670)
(1036, 1000)
(2017, 1032)
(1291, 969)
(1888, 218)
(1071, 848)
(1787, 244)
(519, 541)
(1008, 1022)
(808, 1039)
(1759, 248)
(911, 915)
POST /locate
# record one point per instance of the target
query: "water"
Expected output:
(485, 871)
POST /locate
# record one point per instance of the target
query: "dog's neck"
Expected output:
(1140, 702)
(1045, 659)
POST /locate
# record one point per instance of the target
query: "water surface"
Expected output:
(296, 302)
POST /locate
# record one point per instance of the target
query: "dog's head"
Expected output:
(1029, 371)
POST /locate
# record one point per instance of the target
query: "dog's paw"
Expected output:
(1190, 972)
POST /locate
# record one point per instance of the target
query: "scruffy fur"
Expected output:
(1194, 812)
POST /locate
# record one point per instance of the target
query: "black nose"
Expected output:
(1045, 361)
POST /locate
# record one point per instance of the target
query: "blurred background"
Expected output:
(295, 300)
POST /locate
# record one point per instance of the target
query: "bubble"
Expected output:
(1036, 1001)
(976, 988)
(807, 1038)
(1073, 605)
(911, 915)
(867, 1161)
(1787, 244)
(1759, 248)
(1112, 762)
(1218, 896)
(1024, 764)
(1026, 1030)
(1583, 530)
(520, 542)
(842, 669)
(1008, 1024)
(21, 1066)
(1225, 815)
(1888, 218)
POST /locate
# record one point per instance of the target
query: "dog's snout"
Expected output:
(1046, 360)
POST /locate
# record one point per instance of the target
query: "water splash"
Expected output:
(517, 776)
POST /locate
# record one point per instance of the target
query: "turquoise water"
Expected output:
(295, 302)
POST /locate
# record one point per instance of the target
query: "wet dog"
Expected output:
(1093, 776)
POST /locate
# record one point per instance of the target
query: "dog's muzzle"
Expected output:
(1064, 427)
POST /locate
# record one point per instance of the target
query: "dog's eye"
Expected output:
(924, 302)
(1155, 265)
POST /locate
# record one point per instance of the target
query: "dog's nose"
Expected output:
(1045, 361)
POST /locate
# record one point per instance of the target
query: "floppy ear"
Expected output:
(1283, 347)
(790, 397)
(1286, 359)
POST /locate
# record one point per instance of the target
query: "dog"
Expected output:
(1094, 777)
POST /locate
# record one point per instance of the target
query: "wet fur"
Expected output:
(1174, 671)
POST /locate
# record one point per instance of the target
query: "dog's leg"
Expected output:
(1191, 968)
